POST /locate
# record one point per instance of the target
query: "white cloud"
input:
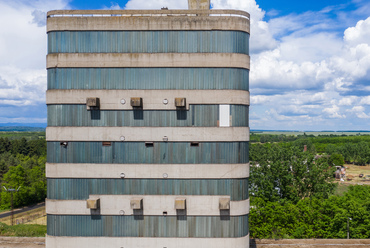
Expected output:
(365, 100)
(347, 101)
(22, 56)
(333, 112)
(360, 34)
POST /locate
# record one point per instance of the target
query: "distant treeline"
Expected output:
(353, 148)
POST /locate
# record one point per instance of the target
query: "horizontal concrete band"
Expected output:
(150, 20)
(152, 99)
(111, 12)
(148, 134)
(141, 171)
(100, 60)
(152, 205)
(131, 242)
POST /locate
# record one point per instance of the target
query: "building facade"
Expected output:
(148, 131)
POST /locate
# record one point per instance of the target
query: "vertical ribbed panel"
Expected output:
(239, 115)
(138, 153)
(148, 226)
(148, 42)
(148, 78)
(80, 189)
(197, 115)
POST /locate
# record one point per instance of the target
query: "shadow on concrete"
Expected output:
(252, 243)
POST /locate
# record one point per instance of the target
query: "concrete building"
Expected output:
(148, 131)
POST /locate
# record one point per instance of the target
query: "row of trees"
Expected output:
(313, 217)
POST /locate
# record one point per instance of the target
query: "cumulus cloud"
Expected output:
(360, 34)
(22, 58)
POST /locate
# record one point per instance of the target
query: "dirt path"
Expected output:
(21, 242)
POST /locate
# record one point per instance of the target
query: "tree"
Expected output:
(287, 173)
(336, 160)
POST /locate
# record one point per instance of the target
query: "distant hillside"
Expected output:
(21, 129)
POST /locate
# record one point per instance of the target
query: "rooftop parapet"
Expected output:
(74, 20)
(146, 13)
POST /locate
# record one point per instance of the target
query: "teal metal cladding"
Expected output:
(148, 78)
(197, 116)
(148, 42)
(81, 188)
(147, 226)
(138, 153)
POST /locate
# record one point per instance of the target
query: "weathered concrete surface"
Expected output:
(152, 99)
(152, 205)
(190, 171)
(128, 242)
(129, 60)
(149, 134)
(148, 20)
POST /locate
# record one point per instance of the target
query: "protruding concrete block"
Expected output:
(93, 203)
(180, 203)
(92, 103)
(180, 102)
(136, 102)
(224, 204)
(136, 203)
(199, 4)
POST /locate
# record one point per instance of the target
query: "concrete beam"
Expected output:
(148, 20)
(152, 99)
(152, 205)
(130, 242)
(154, 171)
(93, 60)
(146, 134)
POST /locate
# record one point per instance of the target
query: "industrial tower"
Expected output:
(148, 131)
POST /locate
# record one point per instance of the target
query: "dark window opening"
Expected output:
(149, 144)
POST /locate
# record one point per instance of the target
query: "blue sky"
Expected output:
(310, 60)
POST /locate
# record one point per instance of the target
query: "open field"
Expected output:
(19, 135)
(353, 172)
(295, 133)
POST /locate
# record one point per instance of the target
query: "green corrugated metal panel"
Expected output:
(239, 115)
(148, 42)
(81, 188)
(147, 226)
(149, 78)
(198, 116)
(138, 153)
